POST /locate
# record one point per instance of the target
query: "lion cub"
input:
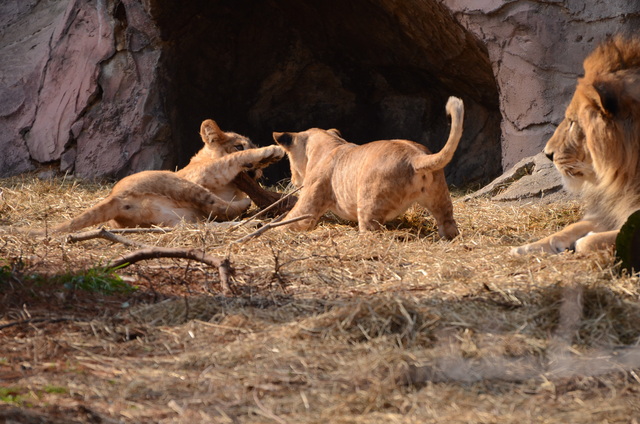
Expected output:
(202, 189)
(372, 183)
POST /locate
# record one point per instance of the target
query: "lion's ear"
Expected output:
(283, 139)
(335, 132)
(211, 132)
(608, 97)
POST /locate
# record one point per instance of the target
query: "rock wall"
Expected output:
(80, 88)
(104, 88)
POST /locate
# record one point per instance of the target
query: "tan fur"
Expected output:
(202, 189)
(372, 183)
(596, 148)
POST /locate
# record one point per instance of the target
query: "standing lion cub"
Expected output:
(202, 189)
(372, 183)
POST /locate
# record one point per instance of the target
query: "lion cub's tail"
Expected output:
(436, 161)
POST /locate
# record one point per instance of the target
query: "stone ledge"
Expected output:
(533, 178)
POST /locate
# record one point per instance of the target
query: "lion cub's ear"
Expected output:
(284, 139)
(211, 132)
(335, 132)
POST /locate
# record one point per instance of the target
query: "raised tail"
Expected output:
(436, 161)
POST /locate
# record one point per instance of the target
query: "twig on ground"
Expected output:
(38, 320)
(104, 234)
(150, 230)
(155, 252)
(268, 226)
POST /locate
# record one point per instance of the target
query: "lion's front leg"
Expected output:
(312, 202)
(597, 241)
(559, 242)
(246, 160)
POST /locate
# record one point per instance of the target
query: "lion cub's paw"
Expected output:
(272, 154)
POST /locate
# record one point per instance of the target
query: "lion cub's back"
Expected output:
(390, 158)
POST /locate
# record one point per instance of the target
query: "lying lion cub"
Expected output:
(202, 189)
(372, 183)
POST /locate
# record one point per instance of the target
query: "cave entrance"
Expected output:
(367, 67)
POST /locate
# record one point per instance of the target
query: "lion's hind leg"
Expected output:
(195, 197)
(437, 200)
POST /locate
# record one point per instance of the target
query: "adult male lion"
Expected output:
(371, 183)
(596, 148)
(202, 189)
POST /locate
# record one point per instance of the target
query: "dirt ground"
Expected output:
(327, 326)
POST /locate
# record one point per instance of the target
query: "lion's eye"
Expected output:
(239, 147)
(575, 130)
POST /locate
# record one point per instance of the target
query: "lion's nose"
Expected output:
(549, 155)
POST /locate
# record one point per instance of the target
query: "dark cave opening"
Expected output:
(366, 67)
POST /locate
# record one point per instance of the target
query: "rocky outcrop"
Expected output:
(110, 87)
(533, 178)
(81, 88)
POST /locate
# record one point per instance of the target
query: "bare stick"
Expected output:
(154, 252)
(151, 230)
(223, 265)
(38, 320)
(268, 226)
(104, 234)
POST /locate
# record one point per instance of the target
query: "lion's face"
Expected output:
(569, 150)
(222, 142)
(219, 143)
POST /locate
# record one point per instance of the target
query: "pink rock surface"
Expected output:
(91, 85)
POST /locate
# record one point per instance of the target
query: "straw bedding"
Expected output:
(325, 326)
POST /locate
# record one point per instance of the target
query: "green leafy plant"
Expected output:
(55, 390)
(11, 395)
(101, 280)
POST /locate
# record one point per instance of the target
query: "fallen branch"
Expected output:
(150, 230)
(104, 234)
(268, 226)
(38, 320)
(156, 252)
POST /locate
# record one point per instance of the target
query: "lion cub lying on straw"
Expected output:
(202, 189)
(372, 183)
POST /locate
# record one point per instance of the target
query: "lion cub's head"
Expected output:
(300, 151)
(218, 143)
(222, 143)
(597, 145)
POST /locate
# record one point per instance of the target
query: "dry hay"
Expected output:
(325, 326)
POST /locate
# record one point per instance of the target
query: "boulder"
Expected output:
(533, 178)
